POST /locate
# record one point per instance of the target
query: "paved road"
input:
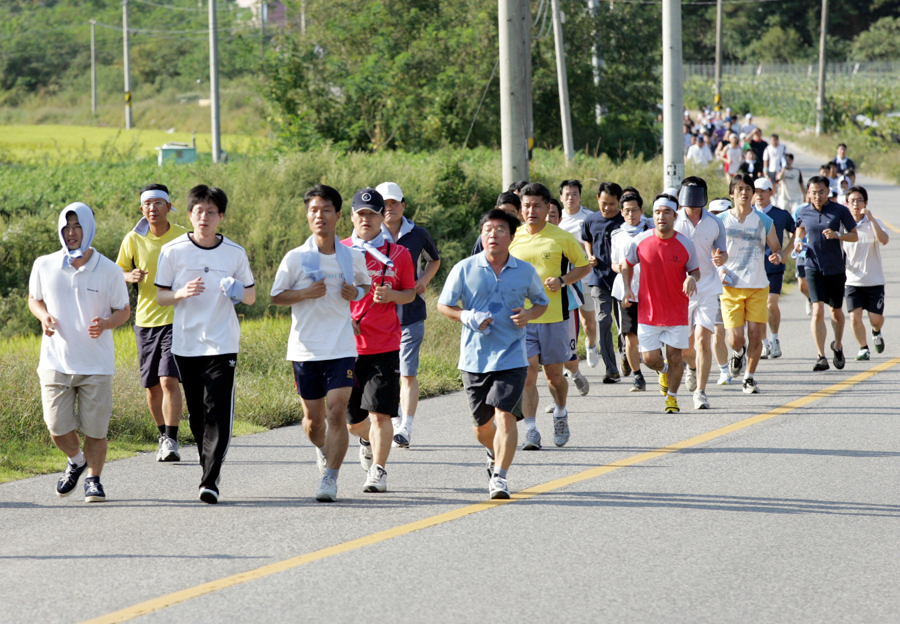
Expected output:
(780, 515)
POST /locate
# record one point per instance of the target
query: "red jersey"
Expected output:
(665, 262)
(379, 324)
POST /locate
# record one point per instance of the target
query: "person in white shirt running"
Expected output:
(790, 193)
(773, 158)
(699, 152)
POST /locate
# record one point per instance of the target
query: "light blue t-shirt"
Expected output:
(746, 243)
(473, 285)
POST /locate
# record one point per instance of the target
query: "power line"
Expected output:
(169, 6)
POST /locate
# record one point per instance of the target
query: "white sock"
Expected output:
(530, 423)
(77, 460)
(748, 375)
(408, 422)
(320, 451)
(397, 421)
(774, 337)
(674, 395)
(665, 368)
(765, 342)
(560, 412)
(723, 368)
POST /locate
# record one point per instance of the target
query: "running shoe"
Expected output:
(690, 378)
(69, 479)
(549, 409)
(593, 354)
(671, 405)
(750, 386)
(863, 354)
(736, 362)
(663, 379)
(321, 461)
(365, 455)
(838, 359)
(209, 496)
(808, 307)
(498, 488)
(168, 450)
(532, 440)
(766, 350)
(700, 400)
(490, 463)
(159, 446)
(93, 491)
(879, 342)
(776, 348)
(327, 492)
(611, 378)
(626, 366)
(821, 364)
(376, 480)
(561, 427)
(581, 383)
(724, 378)
(402, 437)
(639, 384)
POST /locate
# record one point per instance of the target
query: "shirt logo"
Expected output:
(545, 255)
(206, 269)
(349, 373)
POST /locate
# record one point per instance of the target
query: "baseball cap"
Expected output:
(764, 184)
(368, 199)
(390, 190)
(720, 204)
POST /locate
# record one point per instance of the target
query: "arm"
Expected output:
(454, 313)
(431, 269)
(386, 294)
(775, 245)
(690, 282)
(627, 276)
(880, 235)
(249, 295)
(134, 276)
(592, 261)
(799, 235)
(99, 325)
(168, 297)
(314, 291)
(39, 309)
(522, 317)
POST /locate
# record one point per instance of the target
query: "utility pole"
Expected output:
(514, 21)
(93, 66)
(127, 71)
(302, 17)
(262, 30)
(673, 94)
(596, 62)
(820, 95)
(214, 82)
(564, 112)
(717, 99)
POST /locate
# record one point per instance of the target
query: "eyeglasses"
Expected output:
(153, 204)
(205, 213)
(857, 201)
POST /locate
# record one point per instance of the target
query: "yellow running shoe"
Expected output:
(663, 383)
(671, 405)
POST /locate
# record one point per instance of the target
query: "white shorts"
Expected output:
(588, 300)
(703, 311)
(653, 337)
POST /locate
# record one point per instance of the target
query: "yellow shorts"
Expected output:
(740, 305)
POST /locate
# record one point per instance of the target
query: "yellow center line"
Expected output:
(889, 226)
(156, 604)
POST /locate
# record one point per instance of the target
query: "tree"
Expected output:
(880, 43)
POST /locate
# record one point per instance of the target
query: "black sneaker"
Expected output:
(611, 378)
(69, 479)
(821, 364)
(750, 386)
(93, 491)
(626, 367)
(838, 359)
(639, 384)
(736, 362)
(490, 464)
(209, 496)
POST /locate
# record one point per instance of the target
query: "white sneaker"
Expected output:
(766, 350)
(593, 355)
(700, 400)
(690, 378)
(402, 438)
(498, 488)
(320, 461)
(581, 382)
(159, 446)
(724, 378)
(808, 308)
(561, 427)
(365, 455)
(549, 409)
(776, 348)
(327, 492)
(376, 480)
(168, 450)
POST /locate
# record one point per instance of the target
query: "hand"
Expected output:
(798, 246)
(868, 214)
(96, 327)
(135, 276)
(355, 325)
(628, 298)
(317, 290)
(593, 261)
(718, 258)
(383, 294)
(519, 317)
(553, 284)
(830, 234)
(348, 292)
(690, 286)
(191, 289)
(775, 258)
(49, 325)
(420, 288)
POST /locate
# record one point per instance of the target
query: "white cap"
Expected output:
(719, 205)
(748, 116)
(390, 190)
(764, 184)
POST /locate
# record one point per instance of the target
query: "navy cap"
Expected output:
(368, 199)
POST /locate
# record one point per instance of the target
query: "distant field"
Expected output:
(80, 143)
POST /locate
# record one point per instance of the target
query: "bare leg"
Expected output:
(530, 396)
(409, 395)
(837, 326)
(704, 355)
(68, 443)
(589, 324)
(755, 333)
(774, 313)
(381, 433)
(676, 368)
(155, 403)
(721, 346)
(95, 454)
(859, 328)
(817, 327)
(505, 439)
(876, 321)
(631, 349)
(559, 387)
(736, 338)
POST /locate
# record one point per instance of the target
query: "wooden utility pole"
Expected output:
(262, 30)
(214, 82)
(820, 95)
(561, 78)
(514, 21)
(93, 66)
(673, 95)
(717, 96)
(128, 120)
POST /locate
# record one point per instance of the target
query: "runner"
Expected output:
(78, 294)
(549, 250)
(492, 352)
(426, 262)
(669, 275)
(138, 256)
(376, 396)
(719, 340)
(596, 234)
(783, 222)
(745, 297)
(841, 162)
(203, 275)
(318, 280)
(708, 236)
(820, 223)
(773, 159)
(509, 203)
(790, 185)
(865, 272)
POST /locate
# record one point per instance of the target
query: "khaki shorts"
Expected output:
(740, 305)
(94, 397)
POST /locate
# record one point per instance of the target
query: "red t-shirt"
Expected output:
(665, 262)
(380, 325)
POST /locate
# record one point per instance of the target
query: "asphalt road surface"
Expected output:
(778, 507)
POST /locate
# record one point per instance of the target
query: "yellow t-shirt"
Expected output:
(550, 252)
(142, 252)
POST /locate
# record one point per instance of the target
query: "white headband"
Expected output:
(719, 205)
(154, 194)
(668, 203)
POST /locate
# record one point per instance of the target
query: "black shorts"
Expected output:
(869, 298)
(313, 380)
(826, 288)
(629, 318)
(154, 346)
(776, 281)
(377, 387)
(500, 389)
(801, 271)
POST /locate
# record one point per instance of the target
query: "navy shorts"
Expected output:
(314, 379)
(377, 386)
(826, 288)
(154, 345)
(801, 271)
(776, 281)
(629, 318)
(496, 389)
(869, 298)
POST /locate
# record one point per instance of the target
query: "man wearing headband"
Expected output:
(719, 341)
(708, 235)
(203, 275)
(137, 257)
(376, 396)
(318, 280)
(744, 300)
(78, 295)
(669, 274)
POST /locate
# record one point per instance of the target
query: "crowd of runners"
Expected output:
(700, 278)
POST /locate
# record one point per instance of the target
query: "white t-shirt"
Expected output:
(747, 248)
(572, 225)
(74, 297)
(707, 236)
(774, 155)
(864, 266)
(735, 157)
(619, 241)
(207, 323)
(790, 193)
(700, 155)
(321, 329)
